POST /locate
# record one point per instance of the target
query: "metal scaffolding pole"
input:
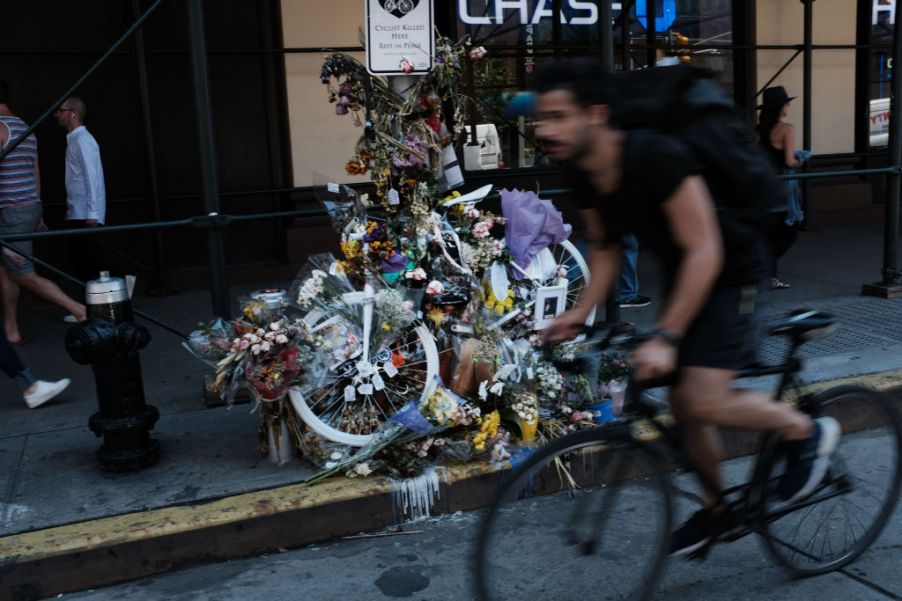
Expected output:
(160, 273)
(891, 284)
(626, 37)
(651, 36)
(606, 34)
(807, 68)
(219, 288)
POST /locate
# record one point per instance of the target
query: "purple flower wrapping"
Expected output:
(394, 264)
(532, 224)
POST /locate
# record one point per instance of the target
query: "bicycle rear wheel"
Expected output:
(584, 518)
(845, 516)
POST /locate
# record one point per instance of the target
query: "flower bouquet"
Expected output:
(614, 370)
(263, 353)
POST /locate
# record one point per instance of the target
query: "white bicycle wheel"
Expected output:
(552, 264)
(338, 416)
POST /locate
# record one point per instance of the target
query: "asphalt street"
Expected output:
(429, 560)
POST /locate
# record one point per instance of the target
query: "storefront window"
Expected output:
(880, 72)
(521, 34)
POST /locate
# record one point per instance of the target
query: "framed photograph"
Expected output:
(550, 302)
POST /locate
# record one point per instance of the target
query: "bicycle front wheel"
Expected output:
(583, 518)
(846, 514)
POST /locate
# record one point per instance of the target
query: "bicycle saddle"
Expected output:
(804, 324)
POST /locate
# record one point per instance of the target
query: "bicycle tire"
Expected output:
(798, 541)
(514, 559)
(316, 412)
(563, 256)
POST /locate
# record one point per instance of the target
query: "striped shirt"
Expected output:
(17, 183)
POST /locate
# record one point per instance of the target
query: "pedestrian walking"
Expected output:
(777, 138)
(20, 212)
(85, 190)
(35, 392)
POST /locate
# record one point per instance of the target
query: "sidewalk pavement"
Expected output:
(49, 476)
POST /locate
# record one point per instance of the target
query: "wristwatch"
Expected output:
(671, 337)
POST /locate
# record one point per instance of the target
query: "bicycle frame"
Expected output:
(749, 507)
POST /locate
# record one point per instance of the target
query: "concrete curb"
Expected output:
(100, 552)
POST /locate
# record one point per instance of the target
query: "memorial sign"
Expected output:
(400, 37)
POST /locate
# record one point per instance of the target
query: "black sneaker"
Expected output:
(693, 534)
(807, 460)
(636, 301)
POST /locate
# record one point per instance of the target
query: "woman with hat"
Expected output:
(777, 138)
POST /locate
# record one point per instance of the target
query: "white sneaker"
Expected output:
(70, 318)
(44, 391)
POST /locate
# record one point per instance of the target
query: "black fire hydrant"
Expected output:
(109, 341)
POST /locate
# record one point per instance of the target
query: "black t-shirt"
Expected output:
(654, 166)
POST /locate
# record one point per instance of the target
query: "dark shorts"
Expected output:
(725, 333)
(19, 220)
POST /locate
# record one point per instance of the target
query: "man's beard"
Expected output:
(579, 150)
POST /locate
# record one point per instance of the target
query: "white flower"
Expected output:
(274, 326)
(362, 469)
(483, 390)
(265, 346)
(255, 349)
(496, 388)
(261, 332)
(281, 339)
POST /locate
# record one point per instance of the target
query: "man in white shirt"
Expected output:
(85, 191)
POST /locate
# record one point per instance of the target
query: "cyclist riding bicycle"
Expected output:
(646, 183)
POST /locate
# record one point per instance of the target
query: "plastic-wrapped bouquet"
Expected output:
(266, 356)
(320, 283)
(614, 370)
(613, 366)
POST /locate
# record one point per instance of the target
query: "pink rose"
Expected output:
(434, 287)
(477, 53)
(406, 66)
(481, 229)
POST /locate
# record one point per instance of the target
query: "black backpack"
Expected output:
(689, 104)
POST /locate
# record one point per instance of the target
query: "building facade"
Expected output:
(278, 138)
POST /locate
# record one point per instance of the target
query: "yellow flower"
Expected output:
(350, 249)
(436, 316)
(385, 326)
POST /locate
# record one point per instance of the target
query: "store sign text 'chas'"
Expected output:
(531, 12)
